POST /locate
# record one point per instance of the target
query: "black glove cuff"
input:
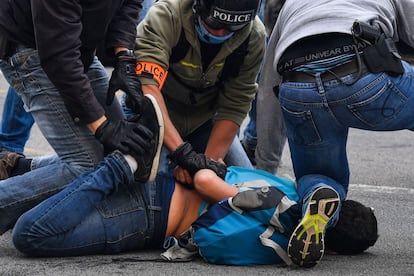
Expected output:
(100, 130)
(126, 64)
(125, 53)
(180, 153)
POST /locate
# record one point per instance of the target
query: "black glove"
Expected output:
(188, 159)
(124, 78)
(128, 137)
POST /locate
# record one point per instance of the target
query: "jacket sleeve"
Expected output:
(238, 92)
(58, 30)
(157, 34)
(122, 30)
(58, 27)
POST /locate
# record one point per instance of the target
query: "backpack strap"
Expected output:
(235, 60)
(266, 241)
(232, 63)
(180, 49)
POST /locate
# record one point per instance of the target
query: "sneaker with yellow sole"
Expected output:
(306, 244)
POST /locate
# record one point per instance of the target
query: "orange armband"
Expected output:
(153, 71)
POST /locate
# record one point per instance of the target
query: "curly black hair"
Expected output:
(355, 231)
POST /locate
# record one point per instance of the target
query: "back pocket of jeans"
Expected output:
(383, 106)
(300, 127)
(121, 202)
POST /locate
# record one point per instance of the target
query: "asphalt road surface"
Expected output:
(381, 176)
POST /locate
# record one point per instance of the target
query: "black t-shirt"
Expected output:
(208, 52)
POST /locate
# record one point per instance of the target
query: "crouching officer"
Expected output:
(337, 68)
(200, 60)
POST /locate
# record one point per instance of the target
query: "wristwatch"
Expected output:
(125, 53)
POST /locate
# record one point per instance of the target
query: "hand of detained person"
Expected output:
(125, 78)
(128, 137)
(185, 157)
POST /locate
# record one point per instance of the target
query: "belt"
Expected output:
(334, 73)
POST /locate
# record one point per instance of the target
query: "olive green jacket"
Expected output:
(191, 94)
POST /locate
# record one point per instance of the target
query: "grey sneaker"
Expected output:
(152, 119)
(8, 160)
(306, 245)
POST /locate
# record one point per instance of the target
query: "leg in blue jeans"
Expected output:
(236, 156)
(102, 211)
(16, 124)
(318, 116)
(250, 134)
(75, 145)
(146, 4)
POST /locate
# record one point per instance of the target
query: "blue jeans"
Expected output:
(16, 124)
(146, 4)
(102, 211)
(261, 10)
(319, 114)
(249, 133)
(75, 145)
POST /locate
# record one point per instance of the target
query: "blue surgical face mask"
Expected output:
(205, 36)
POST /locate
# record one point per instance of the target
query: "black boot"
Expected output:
(8, 161)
